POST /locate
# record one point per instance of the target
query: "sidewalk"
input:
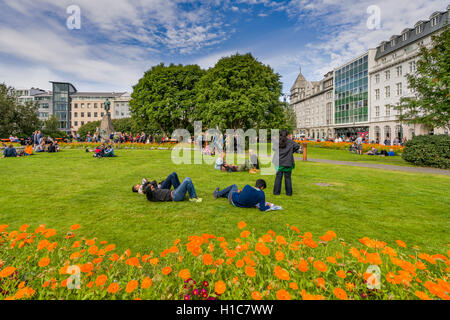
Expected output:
(381, 166)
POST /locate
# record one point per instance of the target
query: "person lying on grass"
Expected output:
(171, 181)
(249, 197)
(155, 194)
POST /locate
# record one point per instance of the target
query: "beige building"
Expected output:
(313, 103)
(90, 106)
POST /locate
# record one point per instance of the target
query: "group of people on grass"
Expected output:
(248, 197)
(102, 151)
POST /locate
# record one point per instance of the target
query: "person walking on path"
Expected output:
(284, 162)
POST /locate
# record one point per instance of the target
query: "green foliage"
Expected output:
(429, 151)
(88, 127)
(164, 99)
(431, 83)
(16, 119)
(51, 126)
(240, 92)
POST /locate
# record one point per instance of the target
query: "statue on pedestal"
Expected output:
(106, 127)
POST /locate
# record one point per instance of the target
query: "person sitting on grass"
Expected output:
(171, 181)
(222, 165)
(109, 152)
(10, 152)
(391, 153)
(249, 197)
(155, 194)
(372, 152)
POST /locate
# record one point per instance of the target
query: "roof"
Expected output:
(411, 34)
(299, 82)
(99, 94)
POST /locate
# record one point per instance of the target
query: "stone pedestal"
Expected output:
(105, 129)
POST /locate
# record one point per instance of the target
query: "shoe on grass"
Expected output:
(198, 200)
(216, 193)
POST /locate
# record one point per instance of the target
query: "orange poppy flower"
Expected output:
(401, 243)
(283, 295)
(131, 286)
(240, 263)
(340, 294)
(207, 259)
(245, 234)
(279, 255)
(101, 280)
(220, 287)
(320, 282)
(293, 286)
(281, 273)
(242, 225)
(303, 265)
(166, 270)
(146, 283)
(341, 274)
(44, 262)
(24, 227)
(250, 271)
(319, 265)
(75, 227)
(113, 288)
(256, 295)
(422, 295)
(184, 274)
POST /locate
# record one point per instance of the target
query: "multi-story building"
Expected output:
(367, 88)
(351, 96)
(395, 59)
(45, 101)
(89, 106)
(313, 105)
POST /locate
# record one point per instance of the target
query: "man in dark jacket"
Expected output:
(284, 162)
(155, 194)
(10, 152)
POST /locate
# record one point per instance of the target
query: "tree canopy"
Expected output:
(431, 103)
(240, 92)
(16, 119)
(164, 98)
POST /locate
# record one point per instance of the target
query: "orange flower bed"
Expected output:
(346, 146)
(293, 265)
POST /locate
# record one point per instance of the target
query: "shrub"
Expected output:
(428, 151)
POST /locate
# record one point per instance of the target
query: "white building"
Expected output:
(393, 61)
(313, 105)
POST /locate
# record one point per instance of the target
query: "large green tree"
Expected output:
(15, 118)
(164, 99)
(241, 92)
(431, 103)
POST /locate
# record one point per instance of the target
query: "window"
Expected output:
(103, 114)
(392, 42)
(399, 89)
(75, 114)
(387, 91)
(412, 66)
(95, 114)
(89, 105)
(377, 78)
(82, 123)
(89, 114)
(76, 105)
(377, 94)
(399, 71)
(405, 36)
(387, 74)
(82, 114)
(95, 105)
(377, 111)
(419, 28)
(388, 110)
(82, 105)
(383, 60)
(394, 55)
(434, 21)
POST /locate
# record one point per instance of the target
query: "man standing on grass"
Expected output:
(359, 142)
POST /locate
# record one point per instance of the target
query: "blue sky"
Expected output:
(120, 39)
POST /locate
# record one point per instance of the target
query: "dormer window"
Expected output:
(434, 19)
(419, 28)
(405, 36)
(392, 42)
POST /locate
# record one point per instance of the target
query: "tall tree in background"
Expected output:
(431, 103)
(16, 119)
(240, 92)
(165, 98)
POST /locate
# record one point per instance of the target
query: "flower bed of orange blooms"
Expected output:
(125, 145)
(292, 265)
(346, 146)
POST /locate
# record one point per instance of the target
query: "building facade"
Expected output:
(90, 106)
(366, 89)
(313, 105)
(394, 60)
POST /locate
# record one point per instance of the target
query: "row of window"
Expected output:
(399, 72)
(387, 109)
(387, 91)
(89, 114)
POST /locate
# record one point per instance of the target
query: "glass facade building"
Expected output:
(351, 92)
(62, 104)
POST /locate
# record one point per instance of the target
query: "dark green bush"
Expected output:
(428, 151)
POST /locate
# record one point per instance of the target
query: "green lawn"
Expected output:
(72, 187)
(345, 155)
